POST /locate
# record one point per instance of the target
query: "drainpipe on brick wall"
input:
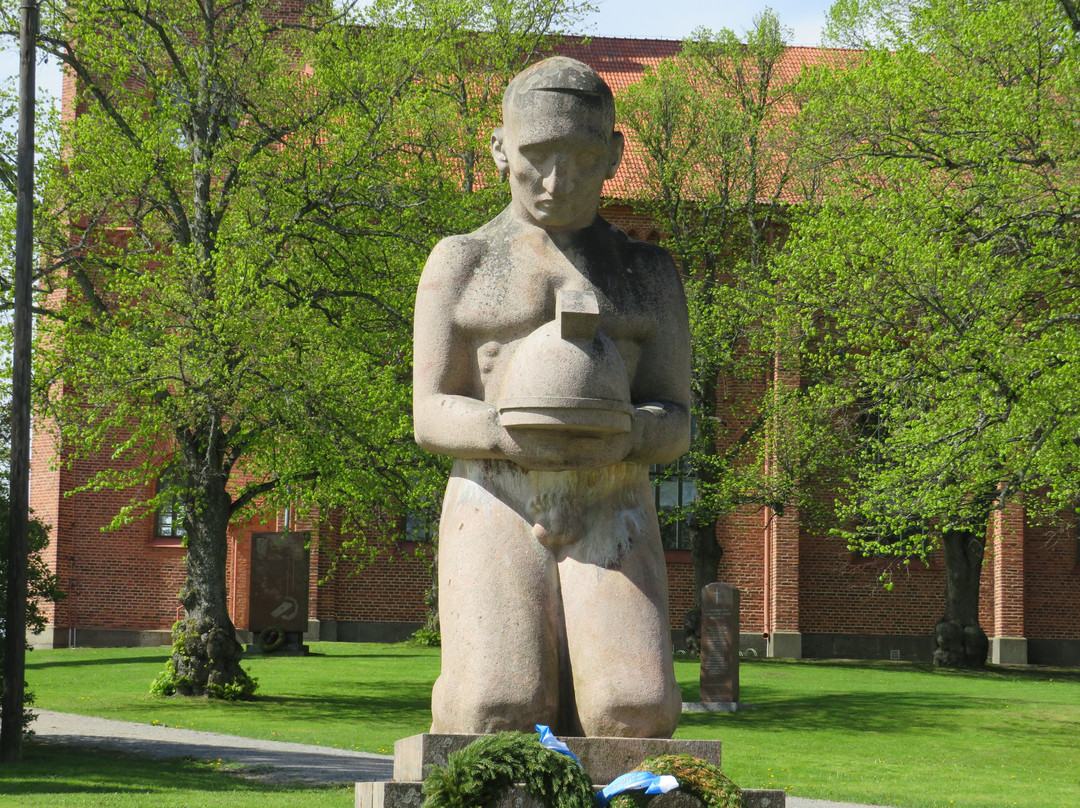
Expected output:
(766, 578)
(766, 555)
(73, 603)
(235, 564)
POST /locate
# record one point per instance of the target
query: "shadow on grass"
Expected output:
(160, 657)
(73, 662)
(358, 655)
(1032, 673)
(899, 712)
(390, 703)
(46, 769)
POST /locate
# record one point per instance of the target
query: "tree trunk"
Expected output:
(432, 630)
(206, 654)
(705, 553)
(959, 640)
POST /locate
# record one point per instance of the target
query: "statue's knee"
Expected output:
(631, 715)
(479, 709)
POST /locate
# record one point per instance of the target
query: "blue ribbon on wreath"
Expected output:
(548, 739)
(637, 781)
(631, 781)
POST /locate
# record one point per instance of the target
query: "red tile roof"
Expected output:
(622, 62)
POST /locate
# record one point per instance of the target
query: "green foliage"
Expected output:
(713, 127)
(486, 768)
(426, 637)
(232, 246)
(935, 286)
(697, 778)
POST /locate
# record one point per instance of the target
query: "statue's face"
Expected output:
(558, 150)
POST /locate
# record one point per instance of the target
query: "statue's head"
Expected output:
(558, 142)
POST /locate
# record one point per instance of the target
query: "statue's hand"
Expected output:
(556, 450)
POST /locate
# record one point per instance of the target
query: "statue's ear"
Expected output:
(618, 143)
(498, 154)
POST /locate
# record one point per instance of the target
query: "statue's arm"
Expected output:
(447, 417)
(660, 390)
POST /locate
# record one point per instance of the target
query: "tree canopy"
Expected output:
(716, 129)
(231, 249)
(936, 282)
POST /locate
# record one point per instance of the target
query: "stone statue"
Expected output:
(552, 363)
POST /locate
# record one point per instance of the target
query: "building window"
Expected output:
(170, 514)
(420, 527)
(675, 491)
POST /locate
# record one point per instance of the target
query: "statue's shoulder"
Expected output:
(456, 259)
(472, 250)
(656, 262)
(457, 252)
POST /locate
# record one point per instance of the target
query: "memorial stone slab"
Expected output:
(720, 643)
(279, 582)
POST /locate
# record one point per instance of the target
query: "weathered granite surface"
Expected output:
(551, 362)
(603, 758)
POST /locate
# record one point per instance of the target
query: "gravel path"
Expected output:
(272, 760)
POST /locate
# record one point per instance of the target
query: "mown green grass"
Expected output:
(353, 696)
(66, 777)
(902, 734)
(882, 733)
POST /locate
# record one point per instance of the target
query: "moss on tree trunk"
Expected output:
(959, 640)
(206, 654)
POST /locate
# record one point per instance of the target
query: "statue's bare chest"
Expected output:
(508, 300)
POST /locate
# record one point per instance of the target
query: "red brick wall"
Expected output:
(1052, 581)
(680, 574)
(841, 592)
(116, 579)
(742, 535)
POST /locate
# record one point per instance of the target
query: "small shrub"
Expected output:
(427, 637)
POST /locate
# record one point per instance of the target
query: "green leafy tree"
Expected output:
(715, 129)
(937, 282)
(231, 253)
(224, 275)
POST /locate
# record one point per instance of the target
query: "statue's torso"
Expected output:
(511, 292)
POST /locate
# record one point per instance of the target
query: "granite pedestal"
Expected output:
(603, 758)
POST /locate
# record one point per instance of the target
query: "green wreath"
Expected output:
(696, 778)
(270, 639)
(489, 766)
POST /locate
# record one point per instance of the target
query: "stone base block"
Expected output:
(603, 758)
(785, 645)
(716, 706)
(410, 795)
(1008, 650)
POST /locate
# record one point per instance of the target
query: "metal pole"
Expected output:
(18, 544)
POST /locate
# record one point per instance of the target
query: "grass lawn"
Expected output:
(66, 777)
(884, 733)
(353, 696)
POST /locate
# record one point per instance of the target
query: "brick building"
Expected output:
(803, 594)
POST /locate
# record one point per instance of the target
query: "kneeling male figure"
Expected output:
(552, 583)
